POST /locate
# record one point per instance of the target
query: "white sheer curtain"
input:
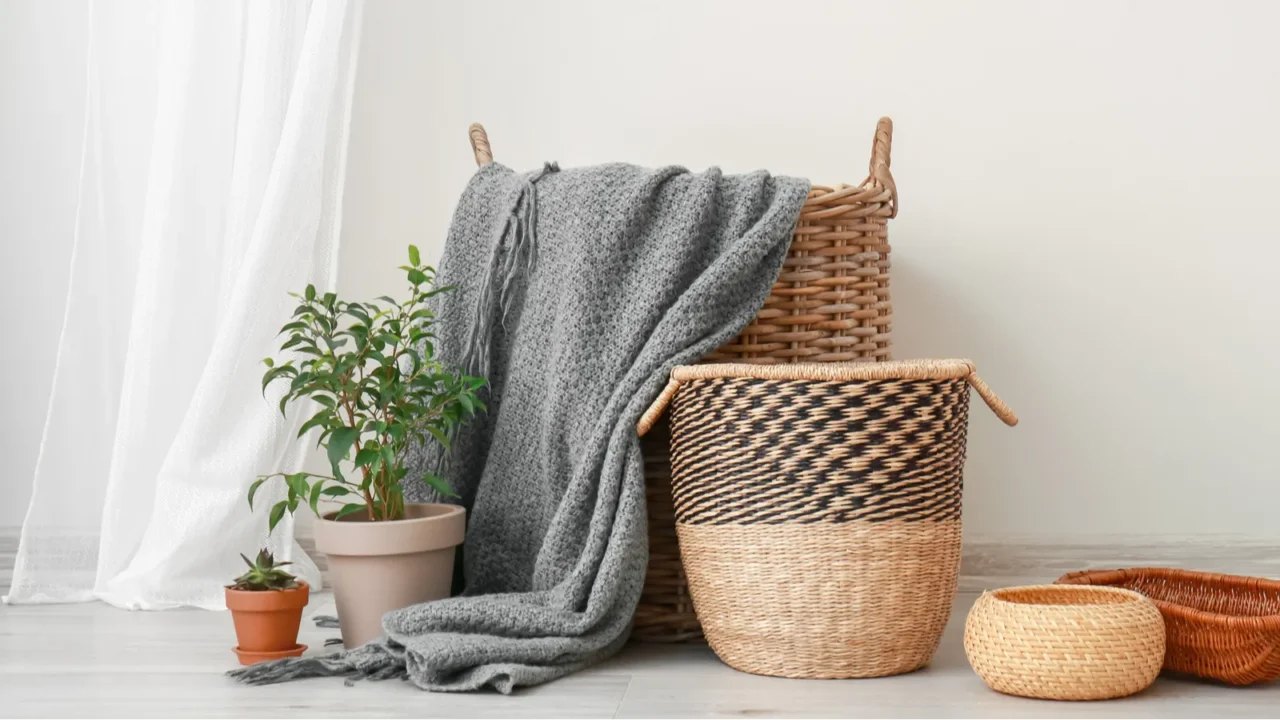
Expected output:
(211, 184)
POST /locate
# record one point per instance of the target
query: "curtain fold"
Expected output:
(211, 184)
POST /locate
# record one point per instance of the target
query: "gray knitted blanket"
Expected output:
(579, 291)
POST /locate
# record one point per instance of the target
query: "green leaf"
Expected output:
(465, 401)
(439, 435)
(311, 292)
(276, 372)
(268, 362)
(388, 456)
(348, 509)
(366, 456)
(295, 325)
(253, 489)
(440, 485)
(340, 442)
(314, 500)
(277, 512)
(320, 419)
(335, 491)
(297, 485)
(414, 258)
(387, 299)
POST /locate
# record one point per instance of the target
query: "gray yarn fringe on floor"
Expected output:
(579, 290)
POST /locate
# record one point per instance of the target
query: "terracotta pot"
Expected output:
(381, 566)
(267, 622)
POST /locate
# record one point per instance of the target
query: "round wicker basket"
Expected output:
(1224, 627)
(1062, 642)
(818, 509)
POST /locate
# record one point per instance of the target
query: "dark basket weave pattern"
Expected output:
(818, 509)
(818, 451)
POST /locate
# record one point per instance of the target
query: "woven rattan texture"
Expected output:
(1224, 627)
(831, 301)
(748, 450)
(1064, 643)
(665, 612)
(855, 599)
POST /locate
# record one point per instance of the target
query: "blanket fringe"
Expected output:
(368, 662)
(518, 237)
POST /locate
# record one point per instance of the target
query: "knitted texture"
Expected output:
(632, 272)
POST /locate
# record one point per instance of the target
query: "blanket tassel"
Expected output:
(518, 237)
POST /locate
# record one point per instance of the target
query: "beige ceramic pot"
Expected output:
(377, 567)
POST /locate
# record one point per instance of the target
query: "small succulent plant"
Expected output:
(265, 574)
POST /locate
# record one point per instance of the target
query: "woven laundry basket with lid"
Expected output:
(818, 509)
(830, 303)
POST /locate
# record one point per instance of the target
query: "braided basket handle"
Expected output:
(480, 144)
(910, 369)
(878, 170)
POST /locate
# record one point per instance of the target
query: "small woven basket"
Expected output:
(1058, 642)
(817, 508)
(1224, 627)
(830, 303)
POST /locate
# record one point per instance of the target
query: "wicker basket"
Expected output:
(1065, 643)
(1225, 627)
(818, 509)
(830, 303)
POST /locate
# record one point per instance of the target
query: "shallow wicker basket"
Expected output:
(830, 303)
(818, 509)
(1058, 642)
(1224, 627)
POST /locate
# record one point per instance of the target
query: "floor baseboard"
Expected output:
(992, 561)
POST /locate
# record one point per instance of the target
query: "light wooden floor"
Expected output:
(93, 660)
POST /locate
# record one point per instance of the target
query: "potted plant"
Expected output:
(266, 606)
(378, 390)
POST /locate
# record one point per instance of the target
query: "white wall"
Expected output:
(1086, 203)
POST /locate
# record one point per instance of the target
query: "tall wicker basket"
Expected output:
(818, 509)
(830, 303)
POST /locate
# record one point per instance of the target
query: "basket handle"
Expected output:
(659, 405)
(878, 170)
(480, 144)
(993, 401)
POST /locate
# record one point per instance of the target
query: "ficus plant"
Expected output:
(371, 370)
